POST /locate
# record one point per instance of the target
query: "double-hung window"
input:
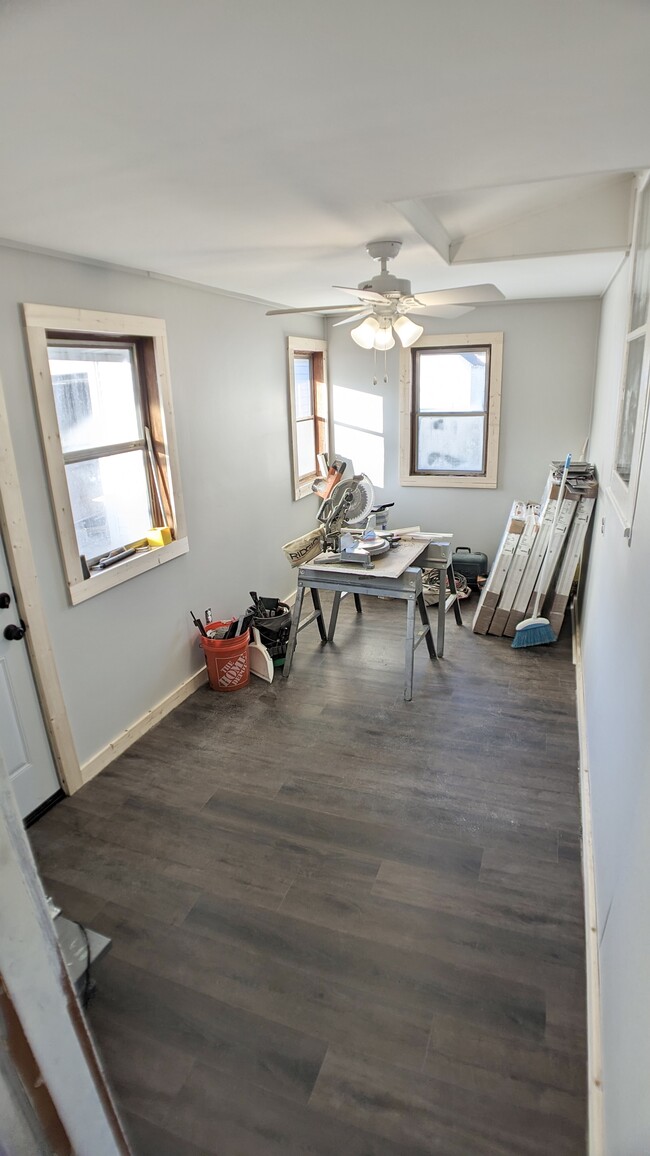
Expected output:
(451, 394)
(102, 430)
(308, 409)
(102, 391)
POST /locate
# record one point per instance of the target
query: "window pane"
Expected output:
(302, 386)
(306, 440)
(451, 444)
(641, 281)
(453, 381)
(95, 396)
(630, 409)
(110, 501)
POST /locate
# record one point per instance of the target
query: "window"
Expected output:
(451, 399)
(102, 390)
(308, 409)
(630, 429)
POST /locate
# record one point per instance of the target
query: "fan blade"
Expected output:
(363, 294)
(311, 309)
(466, 295)
(354, 317)
(446, 312)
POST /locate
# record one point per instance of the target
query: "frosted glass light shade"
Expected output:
(384, 337)
(407, 330)
(364, 334)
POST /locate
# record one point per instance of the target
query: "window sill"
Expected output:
(304, 488)
(465, 482)
(122, 571)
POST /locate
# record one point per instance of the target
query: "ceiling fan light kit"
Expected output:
(385, 302)
(384, 336)
(407, 330)
(364, 334)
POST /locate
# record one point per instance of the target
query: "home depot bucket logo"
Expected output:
(233, 671)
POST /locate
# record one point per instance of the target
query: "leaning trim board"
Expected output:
(515, 571)
(489, 597)
(570, 563)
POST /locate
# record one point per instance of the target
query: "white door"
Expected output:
(23, 740)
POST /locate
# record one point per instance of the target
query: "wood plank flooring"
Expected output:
(342, 924)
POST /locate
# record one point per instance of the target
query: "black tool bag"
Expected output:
(274, 630)
(471, 563)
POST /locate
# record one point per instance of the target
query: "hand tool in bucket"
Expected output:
(537, 631)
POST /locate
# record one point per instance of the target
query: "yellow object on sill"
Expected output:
(159, 536)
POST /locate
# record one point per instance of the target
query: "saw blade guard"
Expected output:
(362, 498)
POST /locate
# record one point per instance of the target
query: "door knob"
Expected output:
(5, 601)
(14, 633)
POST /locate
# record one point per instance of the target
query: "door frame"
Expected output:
(20, 560)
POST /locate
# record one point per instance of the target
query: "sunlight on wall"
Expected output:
(359, 431)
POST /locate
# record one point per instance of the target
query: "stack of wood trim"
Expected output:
(512, 587)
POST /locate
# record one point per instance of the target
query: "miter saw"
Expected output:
(348, 504)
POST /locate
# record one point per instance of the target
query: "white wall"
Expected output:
(548, 375)
(616, 662)
(124, 651)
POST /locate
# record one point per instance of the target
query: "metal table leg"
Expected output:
(454, 591)
(409, 648)
(442, 609)
(335, 613)
(424, 615)
(293, 633)
(318, 610)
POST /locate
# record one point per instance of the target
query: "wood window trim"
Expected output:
(622, 496)
(486, 481)
(43, 321)
(301, 487)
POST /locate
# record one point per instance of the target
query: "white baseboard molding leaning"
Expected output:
(141, 726)
(595, 1120)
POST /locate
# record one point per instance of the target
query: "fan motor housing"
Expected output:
(388, 284)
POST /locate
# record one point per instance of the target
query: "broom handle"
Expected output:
(548, 559)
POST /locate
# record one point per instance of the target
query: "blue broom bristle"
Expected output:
(537, 633)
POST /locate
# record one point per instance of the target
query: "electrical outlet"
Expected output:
(208, 614)
(602, 525)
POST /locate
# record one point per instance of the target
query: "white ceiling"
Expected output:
(256, 146)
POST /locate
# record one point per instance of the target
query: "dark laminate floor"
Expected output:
(343, 923)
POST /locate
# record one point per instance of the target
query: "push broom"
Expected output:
(536, 631)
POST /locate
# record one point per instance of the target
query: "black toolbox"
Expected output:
(472, 564)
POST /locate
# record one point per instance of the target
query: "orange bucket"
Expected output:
(226, 659)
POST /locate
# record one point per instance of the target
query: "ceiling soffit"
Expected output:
(591, 214)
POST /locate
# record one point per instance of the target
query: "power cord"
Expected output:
(431, 586)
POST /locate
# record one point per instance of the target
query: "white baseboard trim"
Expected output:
(141, 726)
(595, 1117)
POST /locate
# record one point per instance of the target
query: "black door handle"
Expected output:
(5, 601)
(14, 633)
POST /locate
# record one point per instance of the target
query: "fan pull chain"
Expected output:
(374, 378)
(385, 367)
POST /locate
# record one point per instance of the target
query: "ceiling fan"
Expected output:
(386, 302)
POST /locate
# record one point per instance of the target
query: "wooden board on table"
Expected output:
(389, 565)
